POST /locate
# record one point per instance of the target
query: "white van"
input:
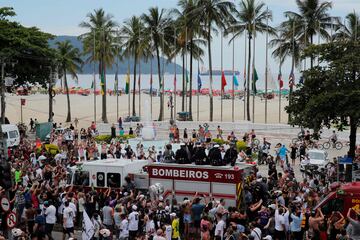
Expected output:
(11, 133)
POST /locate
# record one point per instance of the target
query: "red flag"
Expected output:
(281, 82)
(223, 81)
(23, 101)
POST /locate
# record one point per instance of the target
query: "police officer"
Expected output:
(182, 156)
(199, 156)
(231, 155)
(215, 156)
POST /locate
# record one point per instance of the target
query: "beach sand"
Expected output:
(82, 107)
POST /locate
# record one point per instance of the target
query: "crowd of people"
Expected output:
(278, 205)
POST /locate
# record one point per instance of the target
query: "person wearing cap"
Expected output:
(133, 223)
(181, 155)
(175, 225)
(279, 223)
(215, 156)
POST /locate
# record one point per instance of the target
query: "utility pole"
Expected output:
(51, 94)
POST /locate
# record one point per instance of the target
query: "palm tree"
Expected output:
(102, 31)
(133, 32)
(189, 30)
(69, 61)
(313, 18)
(157, 23)
(249, 15)
(288, 44)
(350, 30)
(210, 13)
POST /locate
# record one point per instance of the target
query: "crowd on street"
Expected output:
(278, 205)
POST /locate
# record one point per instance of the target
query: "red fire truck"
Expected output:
(184, 180)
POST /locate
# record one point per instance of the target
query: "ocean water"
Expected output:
(85, 81)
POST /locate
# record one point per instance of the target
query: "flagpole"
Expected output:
(222, 86)
(163, 77)
(174, 114)
(245, 74)
(233, 82)
(129, 91)
(266, 68)
(94, 80)
(186, 76)
(117, 90)
(151, 87)
(253, 76)
(280, 92)
(198, 93)
(139, 82)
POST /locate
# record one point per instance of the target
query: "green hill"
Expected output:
(123, 66)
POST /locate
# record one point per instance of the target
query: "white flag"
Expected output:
(88, 227)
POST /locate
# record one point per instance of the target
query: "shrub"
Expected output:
(241, 145)
(219, 141)
(52, 149)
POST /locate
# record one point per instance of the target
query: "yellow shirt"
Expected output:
(175, 227)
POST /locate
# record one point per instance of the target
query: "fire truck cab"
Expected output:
(104, 173)
(345, 197)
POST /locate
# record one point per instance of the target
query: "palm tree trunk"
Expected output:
(183, 84)
(161, 114)
(134, 86)
(248, 81)
(68, 118)
(191, 70)
(210, 69)
(104, 115)
(312, 57)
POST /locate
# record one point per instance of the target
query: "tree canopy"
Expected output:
(330, 95)
(28, 48)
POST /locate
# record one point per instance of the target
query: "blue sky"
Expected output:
(61, 17)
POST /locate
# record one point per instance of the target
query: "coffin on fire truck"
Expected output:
(184, 180)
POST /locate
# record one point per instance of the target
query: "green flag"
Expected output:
(92, 85)
(127, 85)
(187, 78)
(255, 78)
(102, 83)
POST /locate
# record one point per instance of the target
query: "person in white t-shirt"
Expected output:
(133, 223)
(124, 228)
(279, 223)
(255, 231)
(168, 231)
(220, 226)
(50, 214)
(68, 221)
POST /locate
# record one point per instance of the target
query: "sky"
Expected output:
(62, 17)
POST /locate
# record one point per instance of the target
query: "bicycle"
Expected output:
(338, 145)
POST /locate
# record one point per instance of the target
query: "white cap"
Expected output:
(105, 232)
(272, 206)
(172, 214)
(268, 237)
(182, 144)
(16, 232)
(134, 207)
(167, 208)
(216, 145)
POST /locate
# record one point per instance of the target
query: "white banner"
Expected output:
(88, 227)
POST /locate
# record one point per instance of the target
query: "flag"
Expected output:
(88, 227)
(281, 82)
(187, 78)
(151, 82)
(236, 83)
(116, 83)
(244, 78)
(22, 101)
(223, 81)
(256, 77)
(199, 83)
(102, 83)
(291, 79)
(174, 82)
(92, 85)
(127, 83)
